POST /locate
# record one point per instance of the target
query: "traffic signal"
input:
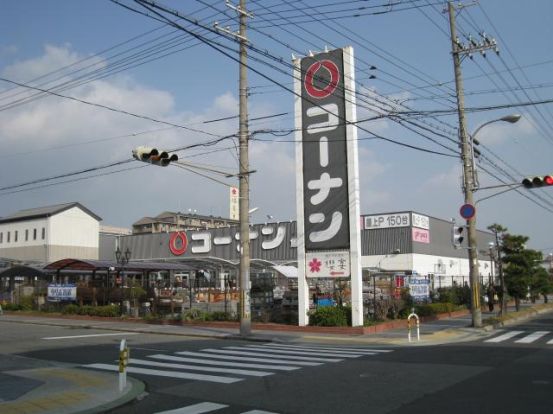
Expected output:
(153, 156)
(535, 182)
(457, 236)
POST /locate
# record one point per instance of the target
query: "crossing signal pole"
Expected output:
(470, 183)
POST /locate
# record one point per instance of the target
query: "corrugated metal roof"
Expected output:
(46, 211)
(82, 264)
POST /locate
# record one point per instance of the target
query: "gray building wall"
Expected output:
(373, 242)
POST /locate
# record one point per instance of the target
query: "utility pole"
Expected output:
(244, 172)
(470, 182)
(244, 186)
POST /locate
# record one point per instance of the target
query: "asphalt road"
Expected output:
(510, 371)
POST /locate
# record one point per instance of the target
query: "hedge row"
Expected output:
(108, 310)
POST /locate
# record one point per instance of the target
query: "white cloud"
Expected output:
(54, 58)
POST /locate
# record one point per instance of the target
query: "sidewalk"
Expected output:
(33, 387)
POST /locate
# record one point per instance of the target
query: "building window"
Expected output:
(15, 237)
(8, 236)
(43, 233)
(34, 234)
(26, 234)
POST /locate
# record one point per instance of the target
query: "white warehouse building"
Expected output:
(51, 233)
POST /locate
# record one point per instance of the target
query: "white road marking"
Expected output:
(91, 335)
(251, 359)
(200, 408)
(301, 352)
(224, 363)
(550, 342)
(259, 412)
(171, 374)
(134, 361)
(504, 337)
(367, 351)
(230, 350)
(532, 337)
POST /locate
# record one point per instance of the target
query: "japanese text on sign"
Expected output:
(328, 264)
(419, 288)
(385, 221)
(324, 150)
(422, 222)
(58, 293)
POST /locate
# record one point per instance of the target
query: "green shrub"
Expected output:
(106, 311)
(431, 309)
(26, 303)
(85, 310)
(71, 309)
(11, 307)
(330, 316)
(194, 315)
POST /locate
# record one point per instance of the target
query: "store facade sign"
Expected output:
(421, 235)
(386, 221)
(420, 221)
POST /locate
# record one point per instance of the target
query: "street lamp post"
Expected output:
(122, 260)
(470, 185)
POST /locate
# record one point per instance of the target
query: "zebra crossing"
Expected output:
(231, 364)
(208, 407)
(521, 337)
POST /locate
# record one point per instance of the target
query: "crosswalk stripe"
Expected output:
(366, 351)
(301, 352)
(198, 368)
(259, 412)
(204, 407)
(504, 337)
(224, 363)
(239, 351)
(251, 359)
(550, 342)
(532, 337)
(172, 374)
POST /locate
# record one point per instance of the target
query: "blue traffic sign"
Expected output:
(467, 211)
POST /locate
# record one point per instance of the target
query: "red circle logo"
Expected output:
(334, 73)
(173, 243)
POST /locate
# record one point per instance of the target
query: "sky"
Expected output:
(118, 79)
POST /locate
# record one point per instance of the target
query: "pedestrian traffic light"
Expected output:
(154, 156)
(535, 182)
(457, 236)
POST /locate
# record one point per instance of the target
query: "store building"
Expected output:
(404, 242)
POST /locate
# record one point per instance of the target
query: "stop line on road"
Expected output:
(528, 338)
(236, 363)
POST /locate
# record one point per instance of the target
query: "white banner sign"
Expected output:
(327, 264)
(422, 222)
(386, 221)
(59, 293)
(419, 288)
(234, 204)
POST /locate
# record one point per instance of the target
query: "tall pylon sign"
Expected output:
(327, 175)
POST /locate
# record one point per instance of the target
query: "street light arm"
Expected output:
(508, 118)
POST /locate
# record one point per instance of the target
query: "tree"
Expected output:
(523, 271)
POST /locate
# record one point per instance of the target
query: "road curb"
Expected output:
(137, 389)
